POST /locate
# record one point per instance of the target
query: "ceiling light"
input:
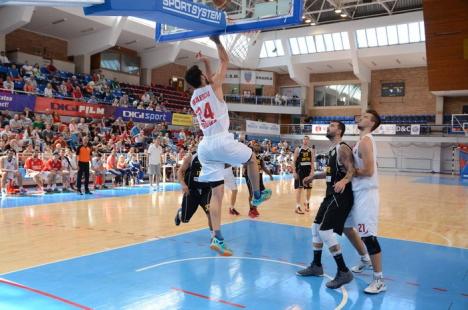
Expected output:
(313, 23)
(308, 20)
(338, 10)
(343, 14)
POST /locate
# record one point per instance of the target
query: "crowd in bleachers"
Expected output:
(386, 119)
(48, 81)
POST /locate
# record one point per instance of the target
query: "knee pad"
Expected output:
(372, 245)
(315, 233)
(328, 237)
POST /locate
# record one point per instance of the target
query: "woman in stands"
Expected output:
(124, 170)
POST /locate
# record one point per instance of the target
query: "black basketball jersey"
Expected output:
(334, 170)
(304, 158)
(193, 172)
(259, 163)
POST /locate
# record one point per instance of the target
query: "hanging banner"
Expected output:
(262, 128)
(73, 108)
(463, 159)
(263, 78)
(248, 77)
(143, 116)
(17, 103)
(179, 119)
(232, 77)
(406, 130)
(386, 129)
(319, 128)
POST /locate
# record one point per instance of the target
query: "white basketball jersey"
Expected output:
(212, 114)
(362, 183)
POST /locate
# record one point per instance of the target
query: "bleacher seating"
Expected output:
(386, 119)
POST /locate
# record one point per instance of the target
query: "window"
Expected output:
(130, 64)
(391, 35)
(110, 60)
(328, 42)
(337, 95)
(271, 48)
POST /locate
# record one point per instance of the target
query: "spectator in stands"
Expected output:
(15, 124)
(92, 99)
(9, 171)
(51, 68)
(66, 171)
(47, 117)
(89, 89)
(38, 122)
(123, 102)
(83, 126)
(53, 169)
(72, 166)
(97, 167)
(8, 84)
(49, 91)
(48, 134)
(25, 121)
(136, 171)
(77, 93)
(124, 170)
(37, 71)
(278, 99)
(56, 121)
(63, 91)
(34, 166)
(29, 87)
(3, 58)
(27, 69)
(145, 98)
(14, 73)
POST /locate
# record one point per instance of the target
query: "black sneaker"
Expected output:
(340, 279)
(88, 193)
(177, 217)
(312, 270)
(79, 192)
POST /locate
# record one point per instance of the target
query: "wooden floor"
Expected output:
(41, 234)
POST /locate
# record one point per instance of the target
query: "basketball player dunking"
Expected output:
(365, 212)
(335, 207)
(218, 146)
(303, 167)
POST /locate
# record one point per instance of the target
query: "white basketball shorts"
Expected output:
(365, 212)
(229, 180)
(216, 151)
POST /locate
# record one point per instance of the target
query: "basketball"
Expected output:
(221, 4)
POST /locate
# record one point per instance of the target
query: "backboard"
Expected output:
(241, 16)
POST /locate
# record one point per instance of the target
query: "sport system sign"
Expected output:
(194, 10)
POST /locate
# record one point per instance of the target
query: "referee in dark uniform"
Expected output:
(83, 153)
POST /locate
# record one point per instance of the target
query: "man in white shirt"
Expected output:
(154, 162)
(3, 58)
(8, 84)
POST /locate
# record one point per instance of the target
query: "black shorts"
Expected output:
(303, 172)
(249, 185)
(334, 210)
(196, 197)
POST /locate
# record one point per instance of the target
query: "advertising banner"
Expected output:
(182, 119)
(262, 128)
(143, 116)
(18, 103)
(73, 108)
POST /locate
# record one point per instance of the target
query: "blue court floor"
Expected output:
(181, 272)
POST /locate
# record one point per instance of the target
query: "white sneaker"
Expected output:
(363, 265)
(376, 286)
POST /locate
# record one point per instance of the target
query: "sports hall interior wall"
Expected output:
(36, 44)
(454, 105)
(163, 74)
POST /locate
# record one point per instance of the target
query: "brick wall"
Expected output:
(37, 44)
(332, 77)
(454, 105)
(162, 74)
(284, 80)
(417, 100)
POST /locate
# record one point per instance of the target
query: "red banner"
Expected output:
(73, 108)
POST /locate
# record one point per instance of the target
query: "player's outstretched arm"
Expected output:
(218, 77)
(345, 156)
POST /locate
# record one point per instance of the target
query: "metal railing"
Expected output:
(425, 130)
(263, 100)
